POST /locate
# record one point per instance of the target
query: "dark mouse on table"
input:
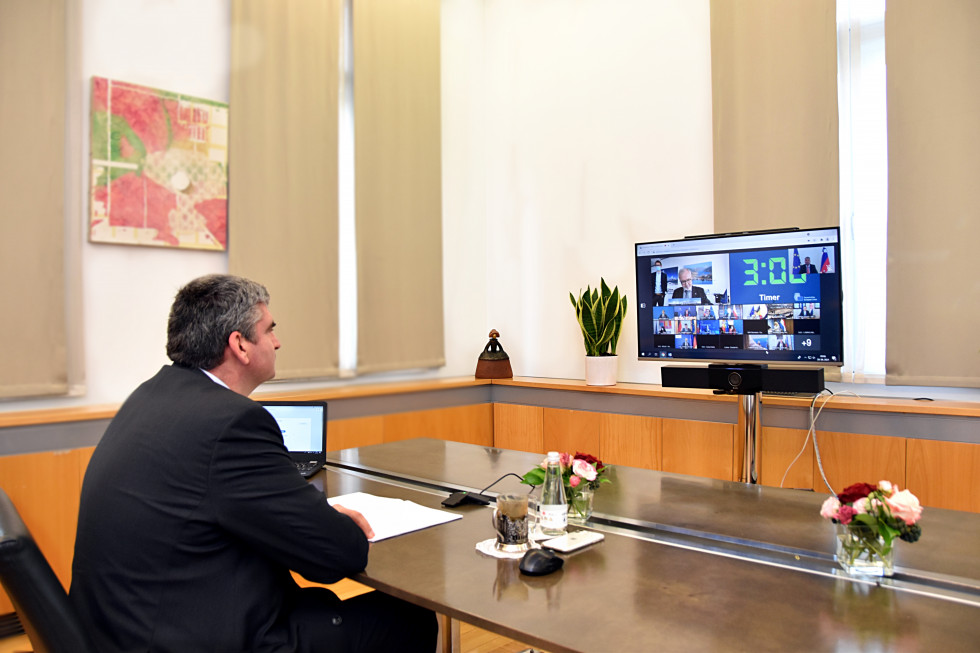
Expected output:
(538, 562)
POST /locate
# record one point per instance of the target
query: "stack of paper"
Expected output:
(391, 517)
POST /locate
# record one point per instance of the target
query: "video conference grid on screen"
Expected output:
(752, 297)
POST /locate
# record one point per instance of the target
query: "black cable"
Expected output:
(502, 478)
(460, 497)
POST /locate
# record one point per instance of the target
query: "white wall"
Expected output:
(179, 45)
(598, 132)
(464, 222)
(571, 130)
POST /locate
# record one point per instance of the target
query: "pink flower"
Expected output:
(905, 506)
(566, 459)
(846, 514)
(862, 506)
(886, 487)
(589, 458)
(583, 469)
(829, 508)
(574, 481)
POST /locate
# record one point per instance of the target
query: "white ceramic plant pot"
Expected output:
(601, 370)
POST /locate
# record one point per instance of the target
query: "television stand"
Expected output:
(748, 381)
(745, 381)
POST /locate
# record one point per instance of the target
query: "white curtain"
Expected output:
(863, 184)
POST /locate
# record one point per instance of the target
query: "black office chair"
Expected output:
(39, 599)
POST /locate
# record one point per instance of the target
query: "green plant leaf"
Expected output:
(533, 477)
(600, 312)
(888, 533)
(620, 317)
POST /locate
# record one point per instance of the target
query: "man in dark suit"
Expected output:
(192, 512)
(659, 282)
(688, 290)
(808, 267)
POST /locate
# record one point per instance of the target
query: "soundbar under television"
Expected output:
(753, 297)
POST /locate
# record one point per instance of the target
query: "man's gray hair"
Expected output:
(206, 312)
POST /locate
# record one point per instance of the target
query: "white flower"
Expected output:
(583, 469)
(905, 506)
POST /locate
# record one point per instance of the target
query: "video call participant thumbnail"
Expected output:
(688, 290)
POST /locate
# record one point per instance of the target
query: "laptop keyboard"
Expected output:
(308, 468)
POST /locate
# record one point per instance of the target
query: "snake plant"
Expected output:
(600, 314)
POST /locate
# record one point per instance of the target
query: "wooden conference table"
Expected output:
(688, 564)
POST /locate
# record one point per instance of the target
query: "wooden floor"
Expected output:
(476, 640)
(472, 640)
(15, 644)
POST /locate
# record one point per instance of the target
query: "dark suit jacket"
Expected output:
(662, 288)
(697, 292)
(808, 269)
(192, 514)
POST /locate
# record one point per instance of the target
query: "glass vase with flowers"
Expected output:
(582, 474)
(869, 518)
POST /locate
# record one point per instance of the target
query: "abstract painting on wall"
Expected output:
(159, 168)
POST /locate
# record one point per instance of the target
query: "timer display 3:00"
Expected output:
(774, 263)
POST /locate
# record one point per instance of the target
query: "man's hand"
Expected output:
(359, 519)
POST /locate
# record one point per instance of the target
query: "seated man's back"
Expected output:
(193, 514)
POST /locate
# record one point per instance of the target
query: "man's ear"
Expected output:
(236, 345)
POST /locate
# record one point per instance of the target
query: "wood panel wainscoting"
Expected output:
(681, 431)
(940, 470)
(46, 489)
(46, 486)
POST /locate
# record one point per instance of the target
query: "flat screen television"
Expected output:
(767, 297)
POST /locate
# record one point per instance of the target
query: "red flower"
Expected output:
(589, 458)
(846, 514)
(854, 492)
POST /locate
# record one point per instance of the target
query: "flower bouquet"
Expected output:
(581, 475)
(869, 518)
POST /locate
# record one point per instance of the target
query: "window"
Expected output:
(346, 227)
(863, 183)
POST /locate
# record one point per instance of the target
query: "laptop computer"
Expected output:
(304, 431)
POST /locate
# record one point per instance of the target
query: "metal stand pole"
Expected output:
(750, 424)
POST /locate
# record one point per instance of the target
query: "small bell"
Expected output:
(494, 363)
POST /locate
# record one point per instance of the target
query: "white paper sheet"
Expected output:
(391, 517)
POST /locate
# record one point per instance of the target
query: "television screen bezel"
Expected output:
(705, 240)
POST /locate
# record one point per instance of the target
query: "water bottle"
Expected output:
(553, 510)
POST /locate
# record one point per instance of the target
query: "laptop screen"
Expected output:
(303, 424)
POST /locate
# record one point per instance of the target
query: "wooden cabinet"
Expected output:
(632, 440)
(699, 448)
(779, 448)
(518, 427)
(471, 424)
(355, 432)
(854, 458)
(571, 431)
(46, 488)
(945, 474)
(941, 474)
(615, 439)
